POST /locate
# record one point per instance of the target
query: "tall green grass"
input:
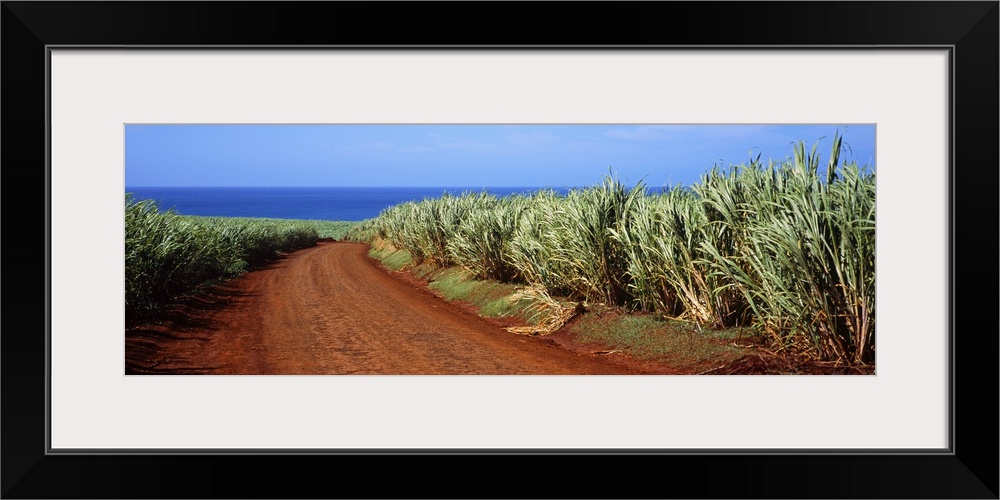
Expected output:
(332, 229)
(784, 248)
(803, 249)
(167, 254)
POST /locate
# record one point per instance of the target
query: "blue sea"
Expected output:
(320, 203)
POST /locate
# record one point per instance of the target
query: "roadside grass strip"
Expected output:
(648, 337)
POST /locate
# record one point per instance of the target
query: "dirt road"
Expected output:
(330, 309)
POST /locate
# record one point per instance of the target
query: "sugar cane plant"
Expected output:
(784, 248)
(167, 254)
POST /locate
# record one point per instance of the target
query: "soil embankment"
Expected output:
(331, 309)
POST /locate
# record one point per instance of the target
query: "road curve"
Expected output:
(331, 309)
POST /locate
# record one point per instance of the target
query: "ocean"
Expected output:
(318, 203)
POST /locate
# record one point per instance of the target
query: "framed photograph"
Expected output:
(89, 83)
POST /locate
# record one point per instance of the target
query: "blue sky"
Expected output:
(461, 155)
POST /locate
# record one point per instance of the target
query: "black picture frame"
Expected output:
(969, 470)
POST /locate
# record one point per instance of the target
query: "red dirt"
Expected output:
(331, 309)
